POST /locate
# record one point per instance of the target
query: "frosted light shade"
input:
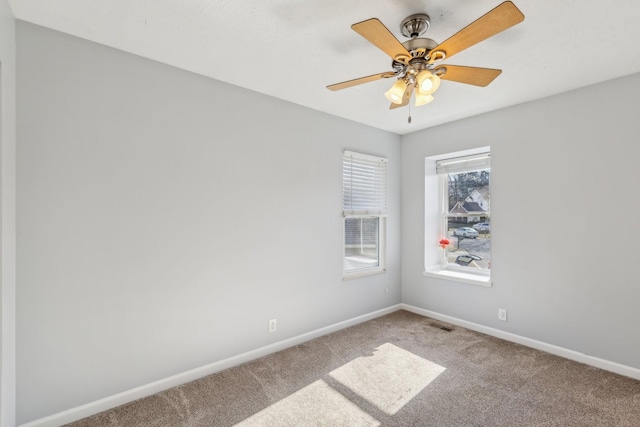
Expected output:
(423, 99)
(396, 93)
(427, 83)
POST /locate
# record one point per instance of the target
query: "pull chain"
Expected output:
(409, 118)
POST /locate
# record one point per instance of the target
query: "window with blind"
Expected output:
(364, 189)
(466, 211)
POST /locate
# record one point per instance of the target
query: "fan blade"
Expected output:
(361, 80)
(469, 75)
(376, 33)
(506, 15)
(405, 98)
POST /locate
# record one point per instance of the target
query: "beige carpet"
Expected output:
(397, 370)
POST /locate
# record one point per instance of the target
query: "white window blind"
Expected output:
(364, 184)
(463, 164)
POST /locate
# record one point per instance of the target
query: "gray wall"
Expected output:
(165, 217)
(7, 214)
(564, 200)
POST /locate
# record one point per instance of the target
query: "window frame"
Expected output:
(375, 209)
(434, 260)
(366, 271)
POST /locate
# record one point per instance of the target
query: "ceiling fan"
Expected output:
(415, 61)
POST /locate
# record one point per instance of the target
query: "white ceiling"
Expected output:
(293, 49)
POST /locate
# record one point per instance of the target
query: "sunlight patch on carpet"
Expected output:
(315, 405)
(390, 378)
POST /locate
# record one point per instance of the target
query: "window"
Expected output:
(459, 184)
(364, 189)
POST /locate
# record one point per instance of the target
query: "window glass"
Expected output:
(468, 218)
(361, 243)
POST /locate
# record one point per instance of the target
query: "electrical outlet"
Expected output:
(273, 325)
(502, 314)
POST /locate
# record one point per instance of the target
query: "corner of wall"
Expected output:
(7, 216)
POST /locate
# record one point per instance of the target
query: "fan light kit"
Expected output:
(414, 61)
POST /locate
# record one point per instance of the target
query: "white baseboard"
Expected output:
(528, 342)
(115, 400)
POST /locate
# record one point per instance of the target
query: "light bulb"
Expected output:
(427, 83)
(396, 93)
(423, 99)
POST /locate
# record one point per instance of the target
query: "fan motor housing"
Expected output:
(418, 48)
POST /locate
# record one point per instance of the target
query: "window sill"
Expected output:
(363, 273)
(459, 276)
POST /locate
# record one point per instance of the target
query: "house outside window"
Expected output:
(364, 211)
(458, 222)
